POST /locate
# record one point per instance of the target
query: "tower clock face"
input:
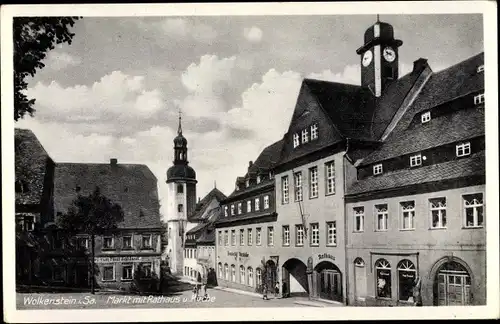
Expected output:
(367, 58)
(389, 54)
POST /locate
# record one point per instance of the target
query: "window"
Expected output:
(377, 169)
(299, 235)
(382, 217)
(250, 277)
(406, 278)
(284, 190)
(313, 182)
(330, 177)
(479, 99)
(83, 242)
(426, 116)
(28, 223)
(305, 136)
(242, 275)
(226, 238)
(266, 201)
(258, 277)
(242, 237)
(383, 271)
(296, 141)
(232, 209)
(415, 160)
(258, 179)
(225, 211)
(233, 237)
(298, 185)
(315, 234)
(127, 242)
(108, 273)
(463, 149)
(147, 270)
(233, 273)
(58, 274)
(408, 215)
(258, 234)
(249, 206)
(147, 241)
(239, 208)
(286, 235)
(247, 183)
(219, 268)
(257, 204)
(180, 188)
(226, 272)
(480, 68)
(438, 212)
(474, 210)
(180, 208)
(314, 132)
(359, 219)
(270, 235)
(331, 233)
(127, 271)
(249, 236)
(109, 242)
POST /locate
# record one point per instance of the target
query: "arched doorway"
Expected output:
(359, 279)
(452, 285)
(294, 278)
(328, 281)
(270, 275)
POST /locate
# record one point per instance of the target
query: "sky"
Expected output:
(116, 91)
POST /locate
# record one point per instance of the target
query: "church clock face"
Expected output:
(389, 54)
(367, 58)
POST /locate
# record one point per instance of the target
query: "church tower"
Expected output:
(181, 202)
(379, 57)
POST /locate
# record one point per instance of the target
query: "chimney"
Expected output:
(419, 65)
(250, 163)
(113, 161)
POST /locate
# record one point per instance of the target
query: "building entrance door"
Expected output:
(329, 281)
(82, 276)
(453, 285)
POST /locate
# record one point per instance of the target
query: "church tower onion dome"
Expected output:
(180, 170)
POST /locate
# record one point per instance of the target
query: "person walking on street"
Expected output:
(264, 291)
(276, 290)
(417, 296)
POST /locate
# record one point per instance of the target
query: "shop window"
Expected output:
(108, 273)
(258, 277)
(407, 275)
(250, 277)
(383, 278)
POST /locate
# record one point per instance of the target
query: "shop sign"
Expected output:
(240, 254)
(326, 256)
(118, 259)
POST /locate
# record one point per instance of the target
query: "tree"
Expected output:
(33, 38)
(94, 215)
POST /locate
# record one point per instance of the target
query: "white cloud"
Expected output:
(253, 34)
(60, 60)
(181, 28)
(351, 75)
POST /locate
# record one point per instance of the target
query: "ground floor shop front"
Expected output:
(402, 278)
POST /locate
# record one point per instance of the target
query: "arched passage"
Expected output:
(452, 282)
(328, 281)
(294, 278)
(270, 275)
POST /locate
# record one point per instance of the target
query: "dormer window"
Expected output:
(426, 117)
(249, 206)
(258, 179)
(247, 183)
(314, 132)
(225, 211)
(296, 141)
(479, 99)
(232, 209)
(377, 169)
(415, 160)
(239, 209)
(270, 174)
(305, 136)
(480, 68)
(463, 149)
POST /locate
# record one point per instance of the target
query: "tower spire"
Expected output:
(215, 184)
(378, 18)
(179, 130)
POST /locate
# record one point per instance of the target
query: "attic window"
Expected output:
(480, 68)
(377, 169)
(305, 136)
(479, 99)
(247, 183)
(314, 132)
(296, 141)
(426, 117)
(258, 179)
(415, 160)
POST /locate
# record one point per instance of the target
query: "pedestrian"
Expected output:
(264, 291)
(284, 290)
(276, 290)
(417, 295)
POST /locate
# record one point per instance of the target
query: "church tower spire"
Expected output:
(179, 129)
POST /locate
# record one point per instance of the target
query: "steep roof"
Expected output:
(132, 186)
(31, 166)
(455, 82)
(200, 211)
(461, 168)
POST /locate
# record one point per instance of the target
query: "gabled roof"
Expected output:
(31, 166)
(132, 186)
(410, 135)
(461, 168)
(200, 211)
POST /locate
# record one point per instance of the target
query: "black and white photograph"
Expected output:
(304, 160)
